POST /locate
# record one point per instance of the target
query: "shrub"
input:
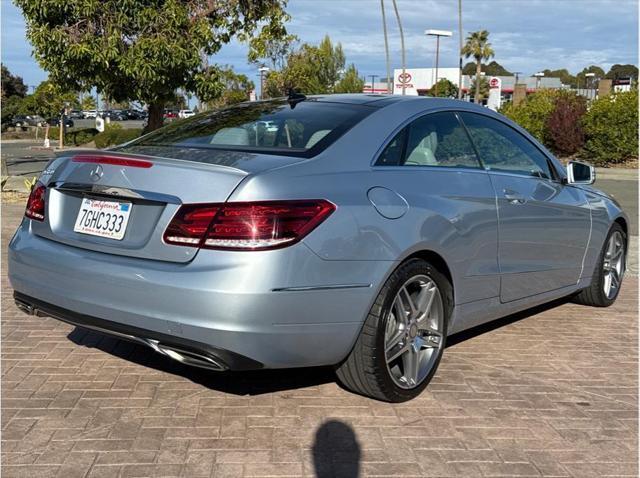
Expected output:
(73, 137)
(115, 134)
(563, 129)
(532, 114)
(611, 128)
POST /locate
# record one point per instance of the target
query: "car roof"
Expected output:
(380, 100)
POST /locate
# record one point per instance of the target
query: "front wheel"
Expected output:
(403, 337)
(607, 280)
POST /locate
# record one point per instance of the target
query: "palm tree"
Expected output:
(479, 48)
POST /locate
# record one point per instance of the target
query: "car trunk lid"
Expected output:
(154, 188)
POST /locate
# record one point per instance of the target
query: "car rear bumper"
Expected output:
(273, 309)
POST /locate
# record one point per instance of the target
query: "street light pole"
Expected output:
(460, 52)
(373, 82)
(437, 34)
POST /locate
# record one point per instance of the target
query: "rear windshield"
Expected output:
(270, 127)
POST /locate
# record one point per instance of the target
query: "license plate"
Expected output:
(103, 218)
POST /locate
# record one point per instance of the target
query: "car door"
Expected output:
(432, 164)
(544, 225)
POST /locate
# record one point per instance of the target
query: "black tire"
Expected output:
(594, 295)
(365, 370)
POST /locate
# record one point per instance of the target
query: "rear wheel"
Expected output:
(607, 279)
(402, 340)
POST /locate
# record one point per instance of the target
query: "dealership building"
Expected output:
(418, 81)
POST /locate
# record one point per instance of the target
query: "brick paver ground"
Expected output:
(553, 392)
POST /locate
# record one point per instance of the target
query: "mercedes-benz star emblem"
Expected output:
(96, 173)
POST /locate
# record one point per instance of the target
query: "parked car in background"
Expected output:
(360, 234)
(55, 121)
(90, 113)
(170, 114)
(136, 114)
(75, 114)
(22, 121)
(186, 113)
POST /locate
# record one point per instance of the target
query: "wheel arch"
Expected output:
(438, 261)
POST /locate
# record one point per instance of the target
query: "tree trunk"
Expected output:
(156, 111)
(478, 73)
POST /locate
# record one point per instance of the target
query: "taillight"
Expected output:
(246, 226)
(35, 203)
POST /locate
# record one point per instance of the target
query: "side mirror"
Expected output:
(580, 173)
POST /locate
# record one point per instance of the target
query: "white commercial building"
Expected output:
(416, 81)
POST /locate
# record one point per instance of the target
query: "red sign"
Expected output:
(404, 77)
(494, 83)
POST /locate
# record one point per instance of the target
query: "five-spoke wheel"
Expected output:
(404, 335)
(413, 333)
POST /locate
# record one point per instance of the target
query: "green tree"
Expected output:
(581, 78)
(49, 99)
(145, 49)
(88, 103)
(623, 71)
(478, 47)
(11, 85)
(237, 88)
(533, 113)
(446, 89)
(314, 70)
(350, 81)
(484, 88)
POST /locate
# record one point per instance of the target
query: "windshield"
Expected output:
(270, 127)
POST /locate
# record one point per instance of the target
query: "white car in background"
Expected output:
(185, 114)
(89, 113)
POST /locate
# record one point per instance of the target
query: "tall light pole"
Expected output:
(461, 47)
(403, 55)
(373, 82)
(263, 71)
(437, 34)
(386, 48)
(517, 75)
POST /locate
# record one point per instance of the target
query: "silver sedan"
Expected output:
(357, 231)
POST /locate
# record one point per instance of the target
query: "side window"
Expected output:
(393, 153)
(502, 148)
(436, 139)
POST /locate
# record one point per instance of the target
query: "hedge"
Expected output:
(115, 134)
(611, 128)
(603, 132)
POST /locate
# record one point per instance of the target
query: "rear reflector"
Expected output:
(113, 160)
(35, 204)
(246, 226)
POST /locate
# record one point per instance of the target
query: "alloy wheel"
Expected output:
(613, 265)
(414, 331)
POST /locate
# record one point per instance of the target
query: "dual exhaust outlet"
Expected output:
(186, 357)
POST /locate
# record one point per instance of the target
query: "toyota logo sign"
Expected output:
(404, 77)
(494, 83)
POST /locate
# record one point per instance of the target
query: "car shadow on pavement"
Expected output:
(502, 322)
(237, 383)
(259, 381)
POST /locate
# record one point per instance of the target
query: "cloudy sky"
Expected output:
(527, 35)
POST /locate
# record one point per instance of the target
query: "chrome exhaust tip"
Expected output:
(187, 357)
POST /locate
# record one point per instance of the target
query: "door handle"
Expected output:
(514, 197)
